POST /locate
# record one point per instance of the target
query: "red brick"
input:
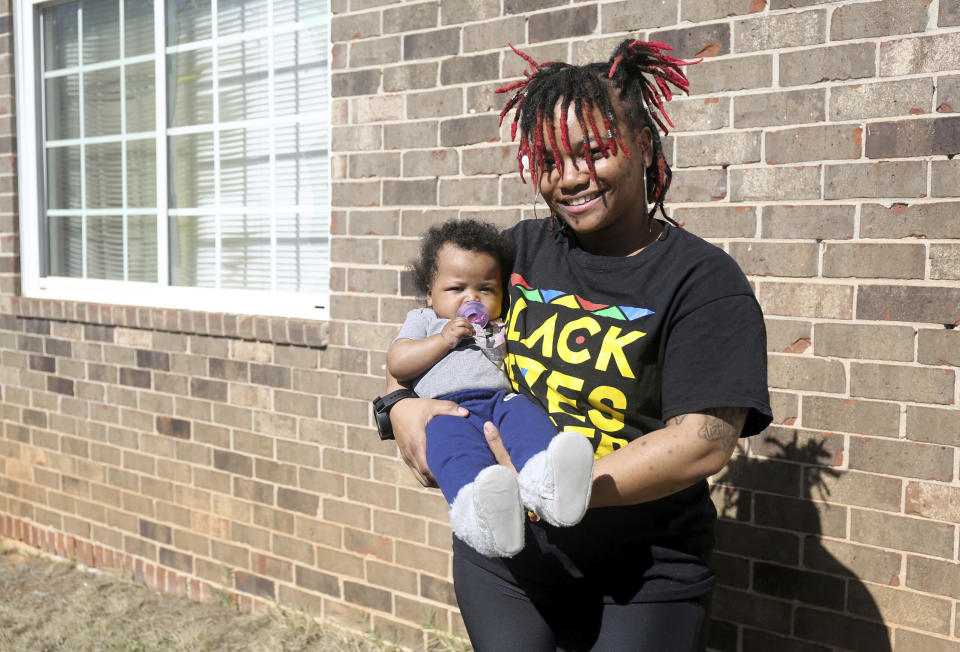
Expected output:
(939, 347)
(905, 138)
(409, 18)
(878, 19)
(787, 183)
(699, 114)
(699, 41)
(937, 305)
(843, 631)
(864, 341)
(853, 488)
(812, 374)
(945, 261)
(697, 185)
(731, 74)
(780, 31)
(880, 100)
(898, 607)
(718, 221)
(933, 576)
(779, 108)
(933, 53)
(933, 425)
(812, 66)
(629, 15)
(750, 609)
(916, 642)
(885, 179)
(814, 144)
(776, 259)
(821, 222)
(897, 382)
(917, 221)
(803, 586)
(923, 461)
(718, 149)
(863, 260)
(933, 501)
(901, 533)
(436, 43)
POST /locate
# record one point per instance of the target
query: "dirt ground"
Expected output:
(47, 604)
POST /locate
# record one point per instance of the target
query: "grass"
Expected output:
(53, 605)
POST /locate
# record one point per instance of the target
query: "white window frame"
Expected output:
(31, 171)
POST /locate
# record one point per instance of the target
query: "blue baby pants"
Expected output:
(457, 450)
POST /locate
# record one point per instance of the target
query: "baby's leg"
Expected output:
(456, 451)
(485, 508)
(556, 470)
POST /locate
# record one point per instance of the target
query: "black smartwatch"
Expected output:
(381, 410)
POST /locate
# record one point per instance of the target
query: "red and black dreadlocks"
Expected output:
(642, 73)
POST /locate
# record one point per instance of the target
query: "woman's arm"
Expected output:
(690, 448)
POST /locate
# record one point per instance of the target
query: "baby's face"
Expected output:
(465, 276)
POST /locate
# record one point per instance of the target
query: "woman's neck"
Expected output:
(624, 245)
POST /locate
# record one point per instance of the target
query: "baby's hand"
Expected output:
(455, 330)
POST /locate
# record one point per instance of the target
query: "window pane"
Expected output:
(237, 16)
(137, 27)
(187, 21)
(191, 171)
(62, 106)
(141, 173)
(243, 81)
(101, 102)
(65, 246)
(142, 248)
(245, 167)
(302, 264)
(302, 253)
(104, 183)
(299, 10)
(141, 103)
(193, 251)
(101, 30)
(300, 81)
(302, 165)
(190, 87)
(245, 252)
(63, 177)
(60, 45)
(105, 247)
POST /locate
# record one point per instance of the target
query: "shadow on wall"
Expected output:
(777, 579)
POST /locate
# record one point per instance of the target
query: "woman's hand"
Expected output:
(409, 419)
(495, 442)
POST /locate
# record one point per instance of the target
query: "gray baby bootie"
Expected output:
(487, 513)
(555, 484)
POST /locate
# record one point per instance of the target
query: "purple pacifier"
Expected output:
(475, 312)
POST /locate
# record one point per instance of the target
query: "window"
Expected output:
(179, 154)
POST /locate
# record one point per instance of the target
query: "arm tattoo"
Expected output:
(722, 425)
(679, 419)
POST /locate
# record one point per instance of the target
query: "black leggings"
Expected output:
(501, 616)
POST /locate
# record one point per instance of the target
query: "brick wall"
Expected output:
(201, 451)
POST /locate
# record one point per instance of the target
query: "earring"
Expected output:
(646, 203)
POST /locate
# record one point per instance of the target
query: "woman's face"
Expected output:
(608, 215)
(465, 276)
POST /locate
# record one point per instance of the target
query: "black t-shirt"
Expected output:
(613, 347)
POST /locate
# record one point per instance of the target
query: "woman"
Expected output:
(637, 334)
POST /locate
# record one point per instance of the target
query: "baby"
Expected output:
(456, 356)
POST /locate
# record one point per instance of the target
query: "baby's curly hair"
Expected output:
(470, 235)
